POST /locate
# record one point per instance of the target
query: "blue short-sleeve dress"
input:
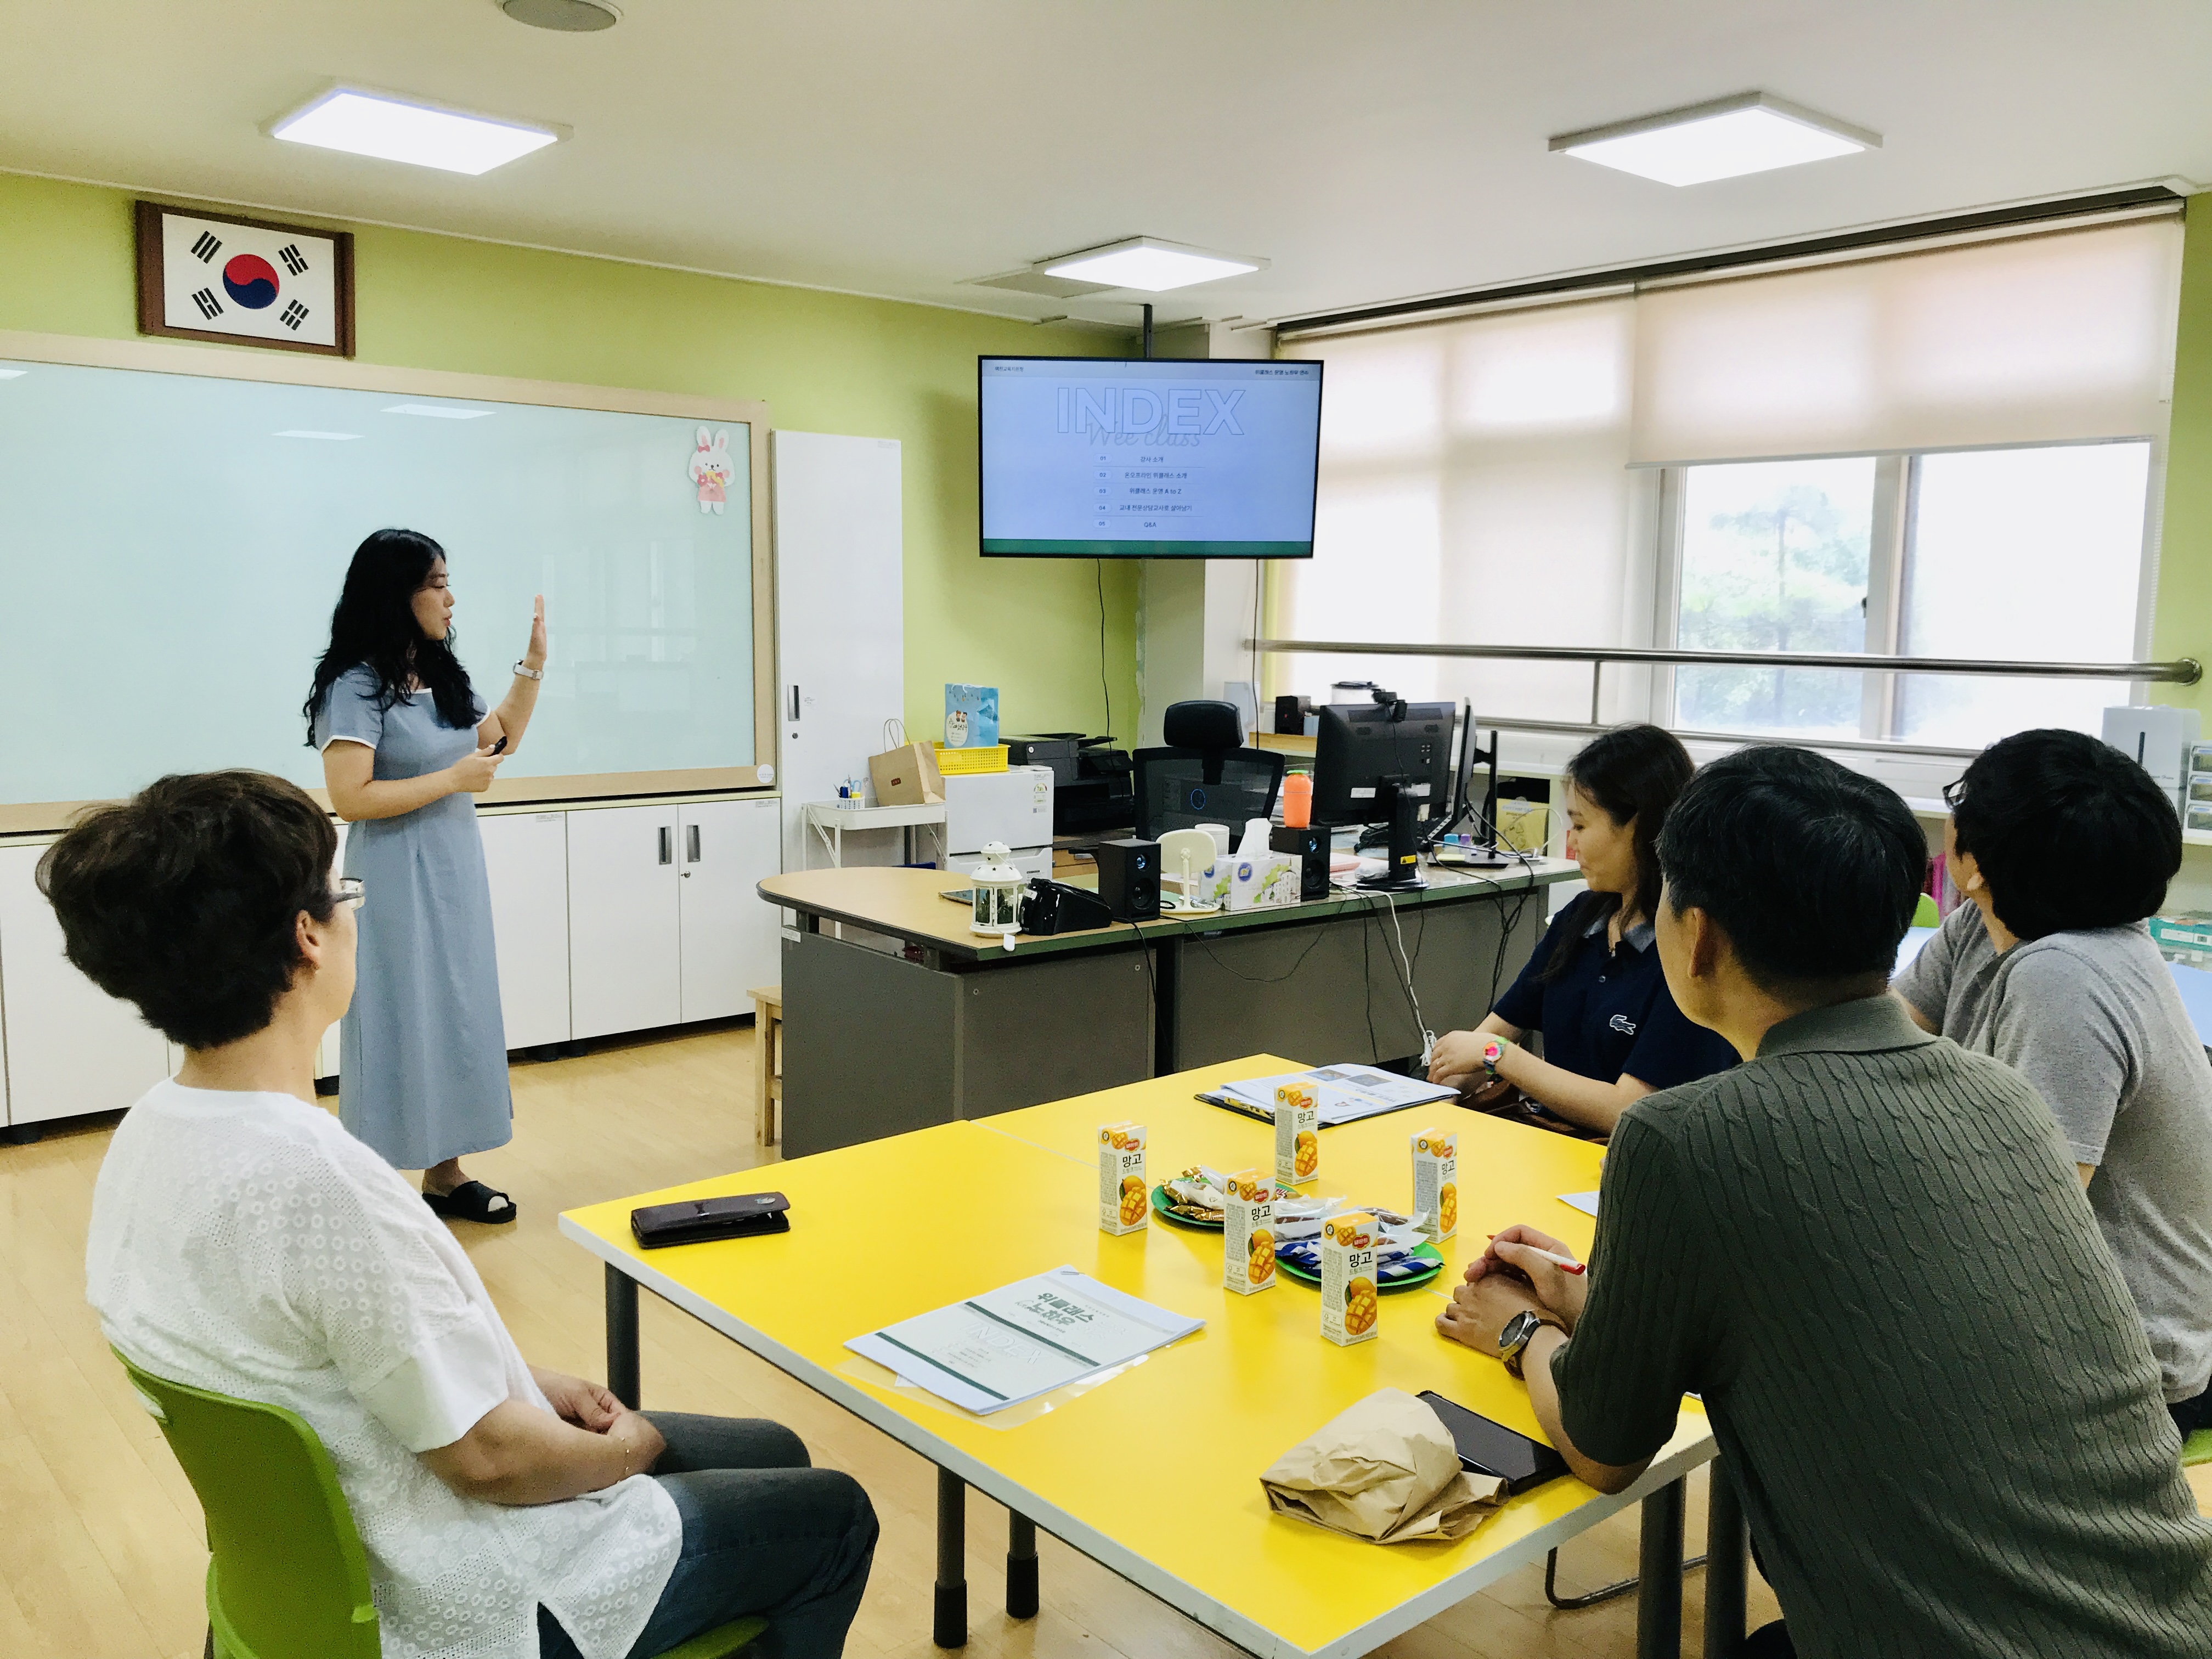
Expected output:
(422, 1050)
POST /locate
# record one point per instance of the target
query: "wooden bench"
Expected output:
(767, 1061)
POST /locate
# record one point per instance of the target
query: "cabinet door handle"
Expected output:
(667, 854)
(691, 844)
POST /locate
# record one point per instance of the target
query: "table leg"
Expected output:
(621, 1336)
(951, 1627)
(1021, 1566)
(1659, 1576)
(1167, 957)
(1727, 1544)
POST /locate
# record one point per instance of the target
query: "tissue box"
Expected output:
(1261, 881)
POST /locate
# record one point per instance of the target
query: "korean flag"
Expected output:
(223, 279)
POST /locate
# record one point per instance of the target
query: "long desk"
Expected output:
(945, 1024)
(1155, 1474)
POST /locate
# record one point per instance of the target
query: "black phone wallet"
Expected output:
(697, 1220)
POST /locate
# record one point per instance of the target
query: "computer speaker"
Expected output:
(1129, 877)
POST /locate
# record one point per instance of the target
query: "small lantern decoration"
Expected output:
(999, 886)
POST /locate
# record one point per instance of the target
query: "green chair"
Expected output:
(288, 1578)
(1924, 914)
(2197, 1448)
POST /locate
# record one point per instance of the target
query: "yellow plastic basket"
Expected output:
(986, 757)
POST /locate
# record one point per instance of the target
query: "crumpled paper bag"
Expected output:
(1384, 1471)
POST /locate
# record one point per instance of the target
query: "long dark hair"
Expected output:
(374, 626)
(1633, 775)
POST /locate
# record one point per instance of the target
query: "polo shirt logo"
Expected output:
(1622, 1023)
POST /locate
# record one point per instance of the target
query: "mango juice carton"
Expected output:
(1248, 1234)
(1348, 1252)
(1124, 1205)
(1297, 1134)
(1435, 1182)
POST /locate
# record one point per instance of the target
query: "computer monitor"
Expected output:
(1389, 762)
(1465, 803)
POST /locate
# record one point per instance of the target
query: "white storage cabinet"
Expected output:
(526, 859)
(664, 925)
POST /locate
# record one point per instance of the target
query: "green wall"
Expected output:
(2182, 626)
(823, 362)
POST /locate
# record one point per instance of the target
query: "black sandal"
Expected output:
(472, 1201)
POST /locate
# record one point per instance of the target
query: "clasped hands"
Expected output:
(1506, 1279)
(596, 1410)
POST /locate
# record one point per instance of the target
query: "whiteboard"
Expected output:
(172, 544)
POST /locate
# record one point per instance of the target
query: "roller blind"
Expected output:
(1474, 486)
(1493, 479)
(2042, 339)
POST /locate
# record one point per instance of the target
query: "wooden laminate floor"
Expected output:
(103, 1556)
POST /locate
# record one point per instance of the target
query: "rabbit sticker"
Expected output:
(712, 469)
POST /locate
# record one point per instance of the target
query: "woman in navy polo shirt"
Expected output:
(1612, 1033)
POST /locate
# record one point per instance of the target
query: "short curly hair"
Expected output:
(184, 899)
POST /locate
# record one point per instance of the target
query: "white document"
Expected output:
(1023, 1340)
(1586, 1202)
(1348, 1093)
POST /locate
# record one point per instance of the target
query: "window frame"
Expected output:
(1889, 554)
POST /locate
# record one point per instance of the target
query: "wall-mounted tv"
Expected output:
(1148, 458)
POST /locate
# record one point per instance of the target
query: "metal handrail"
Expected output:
(2182, 670)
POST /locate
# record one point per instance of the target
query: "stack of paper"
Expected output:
(1023, 1340)
(1348, 1093)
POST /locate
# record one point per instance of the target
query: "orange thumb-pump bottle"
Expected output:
(1297, 800)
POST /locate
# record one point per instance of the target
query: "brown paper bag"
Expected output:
(906, 777)
(1384, 1471)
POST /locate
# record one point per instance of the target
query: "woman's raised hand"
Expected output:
(534, 657)
(473, 774)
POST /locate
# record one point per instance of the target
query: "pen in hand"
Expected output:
(1564, 1264)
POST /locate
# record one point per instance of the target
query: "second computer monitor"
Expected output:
(1361, 756)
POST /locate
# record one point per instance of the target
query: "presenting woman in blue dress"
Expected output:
(405, 742)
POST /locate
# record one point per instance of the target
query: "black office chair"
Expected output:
(1205, 774)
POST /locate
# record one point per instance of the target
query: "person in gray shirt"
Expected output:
(2064, 845)
(1866, 1249)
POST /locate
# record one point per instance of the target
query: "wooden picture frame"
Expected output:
(155, 313)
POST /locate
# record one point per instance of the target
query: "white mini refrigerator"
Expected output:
(1014, 807)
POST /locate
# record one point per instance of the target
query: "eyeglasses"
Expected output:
(1953, 792)
(349, 890)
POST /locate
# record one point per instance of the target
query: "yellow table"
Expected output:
(1154, 1474)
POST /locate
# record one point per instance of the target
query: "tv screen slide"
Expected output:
(1120, 458)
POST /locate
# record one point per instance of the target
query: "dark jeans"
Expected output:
(2190, 1415)
(762, 1533)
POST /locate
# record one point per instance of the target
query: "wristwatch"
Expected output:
(528, 673)
(1492, 1052)
(1517, 1333)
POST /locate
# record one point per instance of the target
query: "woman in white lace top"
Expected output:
(242, 1241)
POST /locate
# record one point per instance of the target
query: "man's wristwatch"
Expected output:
(1492, 1052)
(1519, 1330)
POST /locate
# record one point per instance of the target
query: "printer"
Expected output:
(1013, 806)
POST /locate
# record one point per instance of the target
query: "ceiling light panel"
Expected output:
(1147, 265)
(1752, 132)
(395, 129)
(437, 411)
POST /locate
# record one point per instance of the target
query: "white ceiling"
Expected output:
(1372, 151)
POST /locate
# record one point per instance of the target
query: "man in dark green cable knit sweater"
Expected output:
(1869, 1251)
